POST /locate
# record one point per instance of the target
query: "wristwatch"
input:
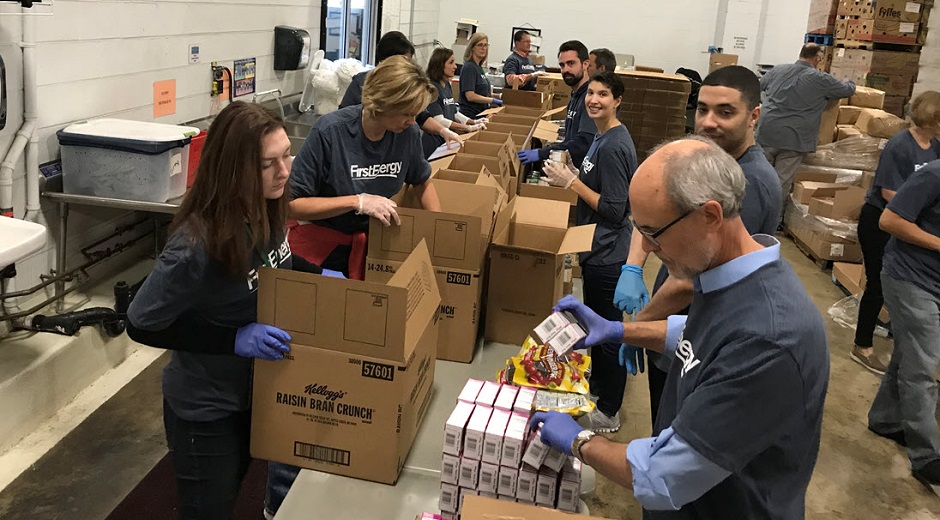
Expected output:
(579, 440)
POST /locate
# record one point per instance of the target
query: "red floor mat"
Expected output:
(155, 498)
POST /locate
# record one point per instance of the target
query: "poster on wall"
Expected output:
(244, 76)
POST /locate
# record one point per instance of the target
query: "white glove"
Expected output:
(483, 121)
(476, 127)
(378, 207)
(451, 138)
(558, 174)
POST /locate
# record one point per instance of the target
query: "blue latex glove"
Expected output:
(631, 358)
(599, 329)
(631, 295)
(528, 156)
(558, 429)
(256, 340)
(333, 274)
(498, 102)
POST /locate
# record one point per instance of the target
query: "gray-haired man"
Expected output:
(752, 342)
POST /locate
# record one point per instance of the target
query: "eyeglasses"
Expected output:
(654, 235)
(483, 45)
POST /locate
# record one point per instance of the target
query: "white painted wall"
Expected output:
(668, 34)
(929, 76)
(101, 58)
(416, 19)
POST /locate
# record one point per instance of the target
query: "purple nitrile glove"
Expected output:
(599, 329)
(558, 429)
(257, 340)
(333, 274)
(631, 294)
(498, 102)
(631, 359)
(528, 156)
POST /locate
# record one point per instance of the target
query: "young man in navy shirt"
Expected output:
(738, 432)
(518, 66)
(904, 408)
(579, 127)
(727, 113)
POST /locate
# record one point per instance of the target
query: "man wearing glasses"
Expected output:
(738, 430)
(727, 113)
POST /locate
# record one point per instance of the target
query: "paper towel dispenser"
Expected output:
(291, 48)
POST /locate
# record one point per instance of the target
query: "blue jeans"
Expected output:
(210, 459)
(608, 378)
(280, 478)
(907, 398)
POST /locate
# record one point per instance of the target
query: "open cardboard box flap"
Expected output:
(482, 508)
(377, 320)
(540, 212)
(578, 239)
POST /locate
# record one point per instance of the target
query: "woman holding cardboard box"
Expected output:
(196, 302)
(906, 153)
(602, 185)
(356, 159)
(443, 109)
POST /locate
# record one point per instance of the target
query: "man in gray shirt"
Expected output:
(795, 96)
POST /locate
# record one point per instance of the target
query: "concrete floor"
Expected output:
(858, 474)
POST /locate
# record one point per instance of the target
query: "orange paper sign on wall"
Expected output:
(164, 98)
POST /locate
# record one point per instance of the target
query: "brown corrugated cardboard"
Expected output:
(894, 10)
(867, 98)
(548, 193)
(878, 123)
(848, 115)
(441, 163)
(498, 166)
(882, 31)
(523, 130)
(505, 151)
(334, 410)
(457, 237)
(846, 131)
(530, 240)
(488, 136)
(717, 61)
(895, 104)
(877, 61)
(804, 191)
(868, 178)
(828, 247)
(851, 276)
(461, 292)
(482, 508)
(525, 98)
(827, 124)
(511, 119)
(891, 83)
(368, 319)
(461, 176)
(822, 15)
(843, 205)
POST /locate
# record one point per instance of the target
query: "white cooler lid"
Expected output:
(136, 130)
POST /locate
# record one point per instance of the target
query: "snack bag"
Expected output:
(540, 366)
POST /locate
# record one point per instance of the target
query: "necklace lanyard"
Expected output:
(264, 258)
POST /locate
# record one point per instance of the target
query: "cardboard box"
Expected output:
(826, 246)
(868, 178)
(888, 62)
(717, 61)
(499, 167)
(866, 97)
(848, 115)
(464, 493)
(447, 174)
(504, 150)
(480, 508)
(891, 83)
(851, 276)
(804, 191)
(882, 31)
(488, 136)
(450, 469)
(827, 124)
(530, 240)
(520, 130)
(822, 14)
(896, 104)
(878, 123)
(894, 10)
(455, 426)
(457, 236)
(527, 98)
(514, 119)
(508, 477)
(328, 407)
(469, 473)
(475, 432)
(535, 191)
(843, 205)
(846, 131)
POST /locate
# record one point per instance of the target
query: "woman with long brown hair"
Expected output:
(200, 302)
(441, 70)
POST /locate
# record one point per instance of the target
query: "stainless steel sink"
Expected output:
(299, 124)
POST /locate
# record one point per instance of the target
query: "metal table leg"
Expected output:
(61, 253)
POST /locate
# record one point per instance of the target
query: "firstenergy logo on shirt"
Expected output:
(449, 101)
(685, 354)
(375, 171)
(587, 165)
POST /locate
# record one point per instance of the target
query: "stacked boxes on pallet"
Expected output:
(892, 72)
(880, 21)
(654, 108)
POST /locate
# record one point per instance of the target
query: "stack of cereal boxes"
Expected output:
(489, 451)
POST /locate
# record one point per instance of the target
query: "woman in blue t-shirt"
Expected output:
(602, 185)
(906, 153)
(443, 109)
(476, 93)
(196, 302)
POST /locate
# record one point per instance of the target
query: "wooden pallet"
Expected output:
(819, 39)
(822, 264)
(876, 46)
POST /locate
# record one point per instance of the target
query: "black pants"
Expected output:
(657, 380)
(873, 241)
(211, 459)
(608, 378)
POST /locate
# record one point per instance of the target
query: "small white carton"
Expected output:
(470, 391)
(525, 400)
(454, 428)
(537, 451)
(493, 440)
(450, 469)
(526, 484)
(506, 398)
(555, 460)
(449, 498)
(469, 473)
(552, 325)
(547, 489)
(506, 498)
(508, 477)
(489, 478)
(475, 432)
(487, 395)
(514, 440)
(568, 495)
(566, 339)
